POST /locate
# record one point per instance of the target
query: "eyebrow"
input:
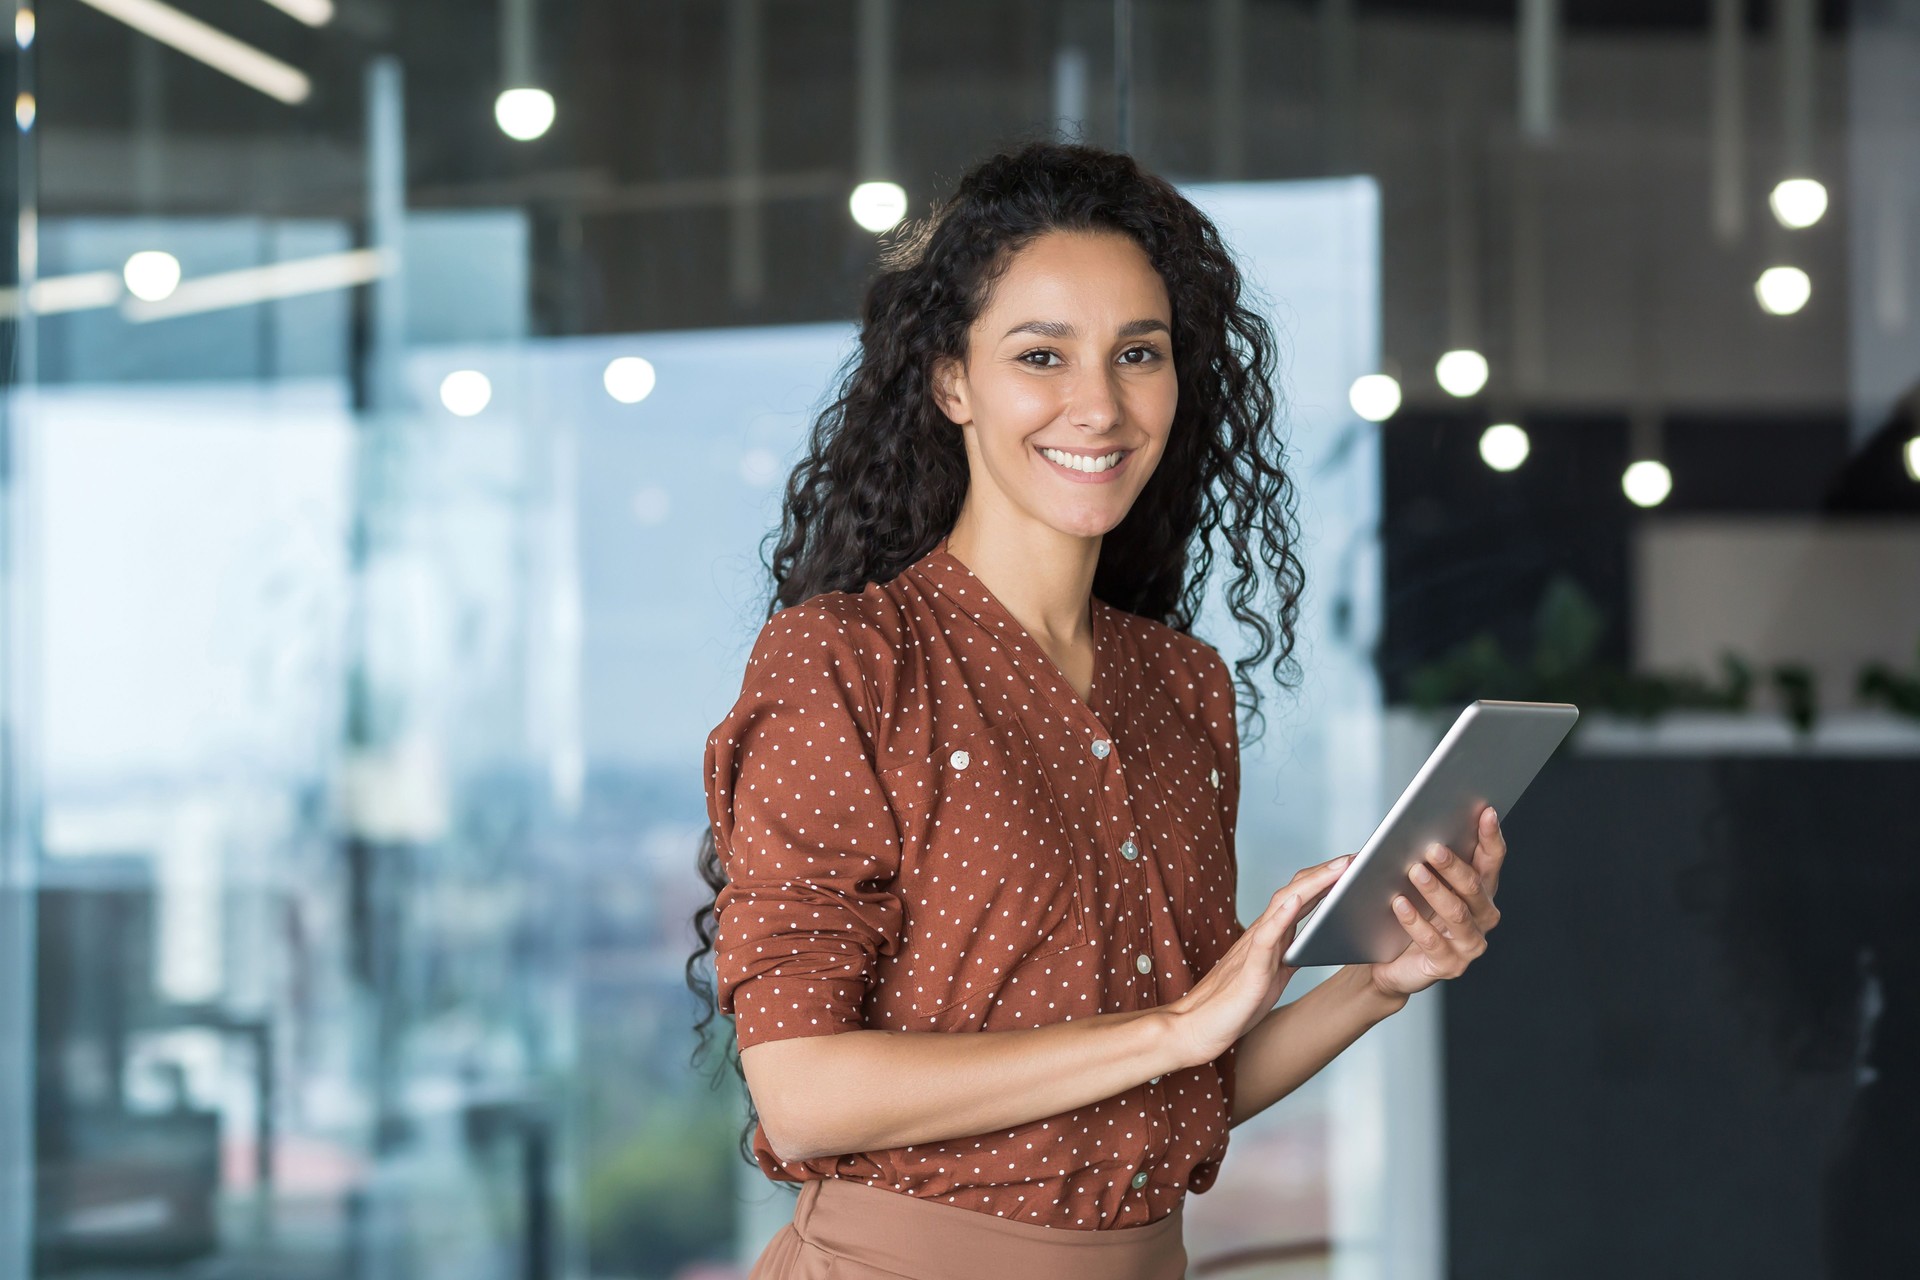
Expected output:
(1061, 329)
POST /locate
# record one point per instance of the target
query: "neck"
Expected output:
(1042, 576)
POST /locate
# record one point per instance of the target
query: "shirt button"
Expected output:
(959, 759)
(1155, 1080)
(1215, 774)
(1100, 748)
(1128, 850)
(1140, 1178)
(1143, 963)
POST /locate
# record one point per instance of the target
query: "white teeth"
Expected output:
(1079, 463)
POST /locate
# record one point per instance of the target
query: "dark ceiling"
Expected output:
(1625, 15)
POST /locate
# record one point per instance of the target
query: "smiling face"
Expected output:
(1068, 391)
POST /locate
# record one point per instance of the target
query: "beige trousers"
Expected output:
(844, 1230)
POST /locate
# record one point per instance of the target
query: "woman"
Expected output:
(972, 815)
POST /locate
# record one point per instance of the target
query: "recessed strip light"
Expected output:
(259, 284)
(65, 293)
(216, 48)
(315, 13)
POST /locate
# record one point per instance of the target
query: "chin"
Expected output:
(1084, 524)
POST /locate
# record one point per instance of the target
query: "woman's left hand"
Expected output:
(1461, 897)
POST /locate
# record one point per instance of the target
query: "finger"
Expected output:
(1280, 905)
(1317, 886)
(1312, 883)
(1468, 883)
(1329, 869)
(1490, 854)
(1424, 935)
(1285, 915)
(1288, 901)
(1328, 872)
(1451, 915)
(1272, 908)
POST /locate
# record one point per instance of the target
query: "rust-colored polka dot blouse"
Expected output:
(925, 829)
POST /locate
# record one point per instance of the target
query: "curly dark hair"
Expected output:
(885, 471)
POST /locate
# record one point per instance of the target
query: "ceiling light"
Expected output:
(1503, 446)
(151, 274)
(629, 379)
(524, 114)
(315, 13)
(1647, 483)
(79, 292)
(1798, 202)
(1783, 290)
(878, 205)
(465, 392)
(1461, 373)
(216, 48)
(1374, 396)
(247, 285)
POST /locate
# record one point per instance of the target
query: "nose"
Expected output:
(1093, 401)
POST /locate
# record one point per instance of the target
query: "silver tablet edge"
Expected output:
(1304, 931)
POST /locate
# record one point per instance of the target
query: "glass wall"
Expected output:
(396, 399)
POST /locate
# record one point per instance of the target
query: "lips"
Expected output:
(1082, 460)
(1080, 476)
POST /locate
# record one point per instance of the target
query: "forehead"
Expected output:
(1079, 272)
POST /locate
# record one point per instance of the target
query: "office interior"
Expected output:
(397, 397)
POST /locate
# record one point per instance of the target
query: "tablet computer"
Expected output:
(1488, 757)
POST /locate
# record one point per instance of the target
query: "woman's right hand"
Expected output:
(1245, 985)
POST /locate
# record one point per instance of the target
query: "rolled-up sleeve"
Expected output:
(1223, 730)
(803, 828)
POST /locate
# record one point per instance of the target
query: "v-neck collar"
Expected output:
(952, 578)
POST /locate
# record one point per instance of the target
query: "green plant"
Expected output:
(1795, 684)
(663, 1194)
(1565, 666)
(1899, 690)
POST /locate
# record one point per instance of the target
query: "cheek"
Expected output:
(1019, 406)
(1151, 404)
(1162, 396)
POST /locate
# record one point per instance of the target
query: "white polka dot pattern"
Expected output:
(925, 829)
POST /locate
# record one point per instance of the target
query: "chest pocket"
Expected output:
(988, 876)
